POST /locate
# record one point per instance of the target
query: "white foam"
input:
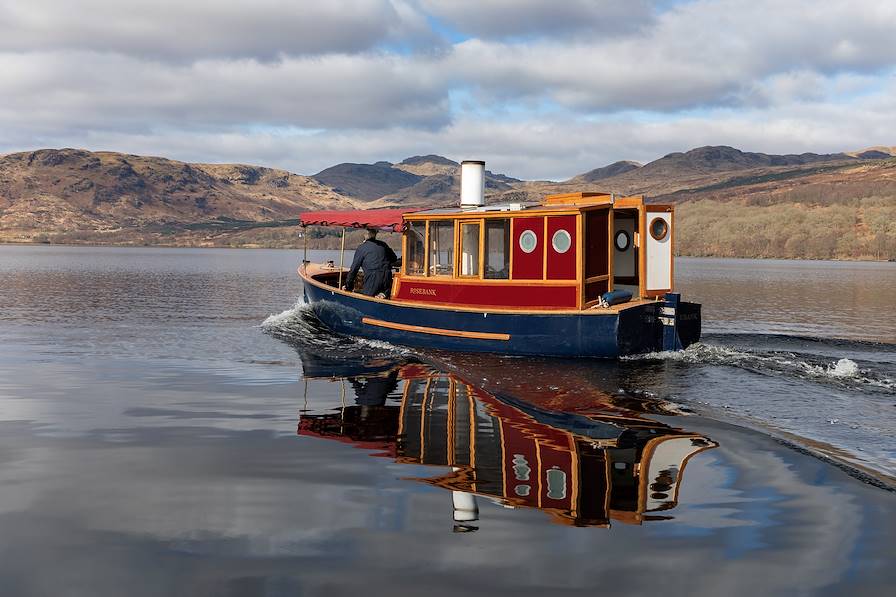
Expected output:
(276, 320)
(844, 368)
(299, 323)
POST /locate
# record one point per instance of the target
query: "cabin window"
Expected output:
(441, 248)
(561, 241)
(497, 249)
(658, 229)
(528, 241)
(623, 240)
(469, 249)
(414, 260)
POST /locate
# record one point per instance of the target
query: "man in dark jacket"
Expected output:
(376, 259)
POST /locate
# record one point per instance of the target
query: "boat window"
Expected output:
(658, 228)
(441, 248)
(469, 249)
(497, 249)
(415, 237)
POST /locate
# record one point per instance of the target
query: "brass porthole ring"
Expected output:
(659, 228)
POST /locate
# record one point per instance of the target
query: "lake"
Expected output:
(175, 423)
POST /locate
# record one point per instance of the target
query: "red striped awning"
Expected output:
(382, 219)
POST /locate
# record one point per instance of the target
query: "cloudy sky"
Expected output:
(537, 88)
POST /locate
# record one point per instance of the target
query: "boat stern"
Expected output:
(665, 325)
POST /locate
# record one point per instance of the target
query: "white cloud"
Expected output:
(698, 54)
(511, 18)
(190, 29)
(544, 91)
(90, 91)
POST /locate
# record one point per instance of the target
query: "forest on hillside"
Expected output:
(852, 229)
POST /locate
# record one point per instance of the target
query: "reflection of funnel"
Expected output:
(465, 508)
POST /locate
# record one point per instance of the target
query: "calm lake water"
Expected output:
(174, 424)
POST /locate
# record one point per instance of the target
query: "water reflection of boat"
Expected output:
(583, 468)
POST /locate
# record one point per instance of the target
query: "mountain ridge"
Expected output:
(74, 195)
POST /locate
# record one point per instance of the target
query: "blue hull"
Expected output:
(608, 335)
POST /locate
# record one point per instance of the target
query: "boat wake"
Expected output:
(300, 327)
(833, 398)
(826, 368)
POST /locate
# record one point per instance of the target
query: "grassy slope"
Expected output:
(830, 213)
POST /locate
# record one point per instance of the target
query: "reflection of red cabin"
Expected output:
(596, 469)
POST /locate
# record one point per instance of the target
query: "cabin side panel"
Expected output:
(502, 294)
(659, 253)
(561, 247)
(528, 249)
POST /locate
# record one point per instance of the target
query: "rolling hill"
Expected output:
(731, 202)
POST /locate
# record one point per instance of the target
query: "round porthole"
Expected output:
(623, 240)
(528, 241)
(659, 228)
(561, 241)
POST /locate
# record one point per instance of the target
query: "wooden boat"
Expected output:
(580, 274)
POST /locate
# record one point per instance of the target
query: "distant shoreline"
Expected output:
(349, 245)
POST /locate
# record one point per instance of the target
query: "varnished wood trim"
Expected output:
(510, 246)
(636, 201)
(481, 249)
(404, 252)
(580, 258)
(580, 198)
(497, 214)
(426, 248)
(545, 252)
(471, 280)
(593, 279)
(420, 329)
(455, 267)
(642, 251)
(611, 253)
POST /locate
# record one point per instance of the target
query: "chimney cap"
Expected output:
(480, 162)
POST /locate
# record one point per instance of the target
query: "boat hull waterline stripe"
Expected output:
(434, 331)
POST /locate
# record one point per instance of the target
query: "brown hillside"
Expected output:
(731, 203)
(68, 190)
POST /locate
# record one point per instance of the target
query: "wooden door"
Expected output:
(597, 254)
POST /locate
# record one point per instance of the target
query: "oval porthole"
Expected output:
(659, 228)
(623, 240)
(561, 241)
(528, 241)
